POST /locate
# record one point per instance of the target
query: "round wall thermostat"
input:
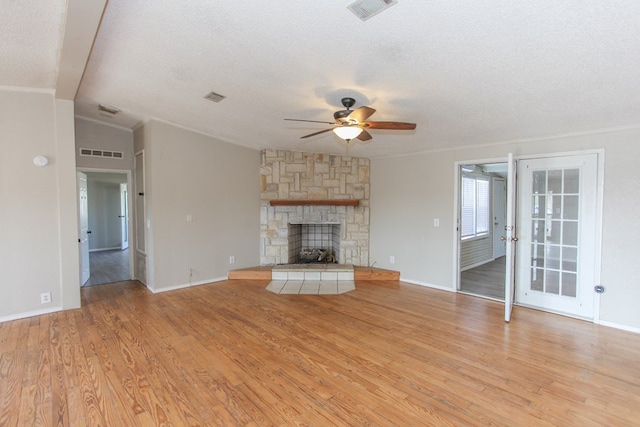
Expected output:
(40, 161)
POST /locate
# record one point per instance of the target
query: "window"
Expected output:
(475, 207)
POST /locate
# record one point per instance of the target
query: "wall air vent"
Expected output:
(215, 97)
(365, 9)
(110, 154)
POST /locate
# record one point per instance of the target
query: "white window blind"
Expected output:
(474, 209)
(468, 206)
(482, 207)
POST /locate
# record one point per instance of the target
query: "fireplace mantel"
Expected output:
(313, 202)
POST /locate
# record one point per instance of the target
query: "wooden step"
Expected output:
(251, 273)
(374, 273)
(360, 273)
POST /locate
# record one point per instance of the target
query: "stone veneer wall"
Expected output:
(298, 175)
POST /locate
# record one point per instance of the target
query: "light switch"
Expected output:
(436, 222)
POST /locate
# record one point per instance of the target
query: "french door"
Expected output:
(556, 223)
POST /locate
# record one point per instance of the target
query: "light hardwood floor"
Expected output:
(388, 353)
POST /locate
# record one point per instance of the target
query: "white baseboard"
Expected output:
(619, 326)
(105, 249)
(188, 285)
(29, 314)
(428, 285)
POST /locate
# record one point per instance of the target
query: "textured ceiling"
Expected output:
(466, 72)
(32, 33)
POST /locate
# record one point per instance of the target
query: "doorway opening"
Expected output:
(108, 227)
(482, 218)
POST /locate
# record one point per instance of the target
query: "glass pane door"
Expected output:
(554, 231)
(557, 233)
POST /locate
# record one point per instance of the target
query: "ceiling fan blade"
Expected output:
(364, 136)
(389, 125)
(361, 114)
(316, 133)
(312, 121)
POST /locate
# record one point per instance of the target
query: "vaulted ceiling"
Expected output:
(466, 72)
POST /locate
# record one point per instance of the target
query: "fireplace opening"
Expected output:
(314, 243)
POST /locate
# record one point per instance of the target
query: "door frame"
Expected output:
(456, 213)
(598, 213)
(129, 175)
(83, 220)
(124, 219)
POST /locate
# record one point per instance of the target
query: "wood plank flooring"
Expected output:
(388, 353)
(108, 267)
(486, 280)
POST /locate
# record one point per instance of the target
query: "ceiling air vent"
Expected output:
(215, 97)
(365, 9)
(108, 109)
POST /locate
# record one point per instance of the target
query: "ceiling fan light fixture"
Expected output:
(347, 132)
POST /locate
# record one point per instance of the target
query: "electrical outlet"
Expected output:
(45, 298)
(232, 259)
(392, 259)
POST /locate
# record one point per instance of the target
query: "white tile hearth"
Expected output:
(311, 287)
(312, 279)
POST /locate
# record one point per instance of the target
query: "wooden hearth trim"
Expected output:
(307, 202)
(360, 273)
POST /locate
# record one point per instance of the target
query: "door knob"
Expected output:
(503, 238)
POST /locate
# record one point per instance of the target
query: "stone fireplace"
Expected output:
(308, 177)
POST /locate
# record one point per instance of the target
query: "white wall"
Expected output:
(407, 193)
(38, 208)
(91, 134)
(103, 197)
(218, 185)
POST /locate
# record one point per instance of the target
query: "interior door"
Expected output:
(499, 205)
(83, 232)
(124, 216)
(510, 237)
(557, 198)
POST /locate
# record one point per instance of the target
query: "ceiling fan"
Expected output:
(351, 124)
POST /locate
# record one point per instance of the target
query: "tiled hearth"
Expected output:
(312, 279)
